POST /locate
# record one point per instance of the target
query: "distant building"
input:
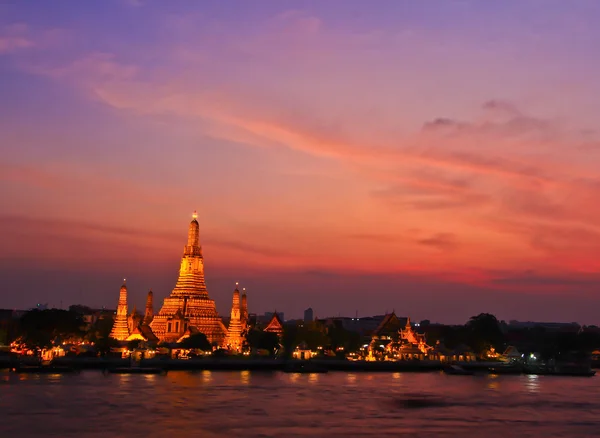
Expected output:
(308, 315)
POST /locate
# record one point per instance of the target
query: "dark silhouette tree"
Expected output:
(196, 341)
(261, 340)
(42, 328)
(482, 332)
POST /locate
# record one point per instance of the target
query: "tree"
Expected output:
(483, 331)
(101, 328)
(42, 328)
(197, 341)
(261, 340)
(103, 345)
(342, 338)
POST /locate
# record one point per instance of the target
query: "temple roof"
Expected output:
(147, 333)
(275, 324)
(389, 323)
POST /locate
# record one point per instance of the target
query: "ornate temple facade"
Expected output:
(187, 310)
(189, 306)
(392, 342)
(120, 329)
(129, 327)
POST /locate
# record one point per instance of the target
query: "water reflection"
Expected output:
(298, 405)
(293, 377)
(396, 376)
(493, 382)
(532, 383)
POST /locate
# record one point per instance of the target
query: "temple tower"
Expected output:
(188, 305)
(149, 315)
(120, 329)
(244, 308)
(234, 337)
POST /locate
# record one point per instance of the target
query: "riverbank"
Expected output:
(272, 364)
(232, 364)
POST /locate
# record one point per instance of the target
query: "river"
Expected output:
(254, 404)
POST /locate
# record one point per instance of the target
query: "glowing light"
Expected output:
(194, 215)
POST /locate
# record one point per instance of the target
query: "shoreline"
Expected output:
(69, 364)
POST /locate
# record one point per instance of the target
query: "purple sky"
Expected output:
(436, 158)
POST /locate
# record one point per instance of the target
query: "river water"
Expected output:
(254, 404)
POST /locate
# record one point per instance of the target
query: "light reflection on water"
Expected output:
(532, 384)
(493, 382)
(248, 404)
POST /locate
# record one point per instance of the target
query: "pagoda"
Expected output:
(234, 337)
(188, 306)
(244, 311)
(120, 328)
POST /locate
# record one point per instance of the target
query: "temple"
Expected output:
(120, 329)
(235, 339)
(275, 325)
(392, 342)
(244, 311)
(189, 306)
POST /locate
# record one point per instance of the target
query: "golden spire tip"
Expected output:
(195, 215)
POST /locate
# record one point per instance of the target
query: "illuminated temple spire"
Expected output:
(120, 329)
(244, 308)
(188, 305)
(234, 337)
(191, 271)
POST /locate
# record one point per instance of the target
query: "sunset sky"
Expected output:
(437, 158)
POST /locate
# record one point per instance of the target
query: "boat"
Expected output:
(303, 367)
(458, 371)
(135, 370)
